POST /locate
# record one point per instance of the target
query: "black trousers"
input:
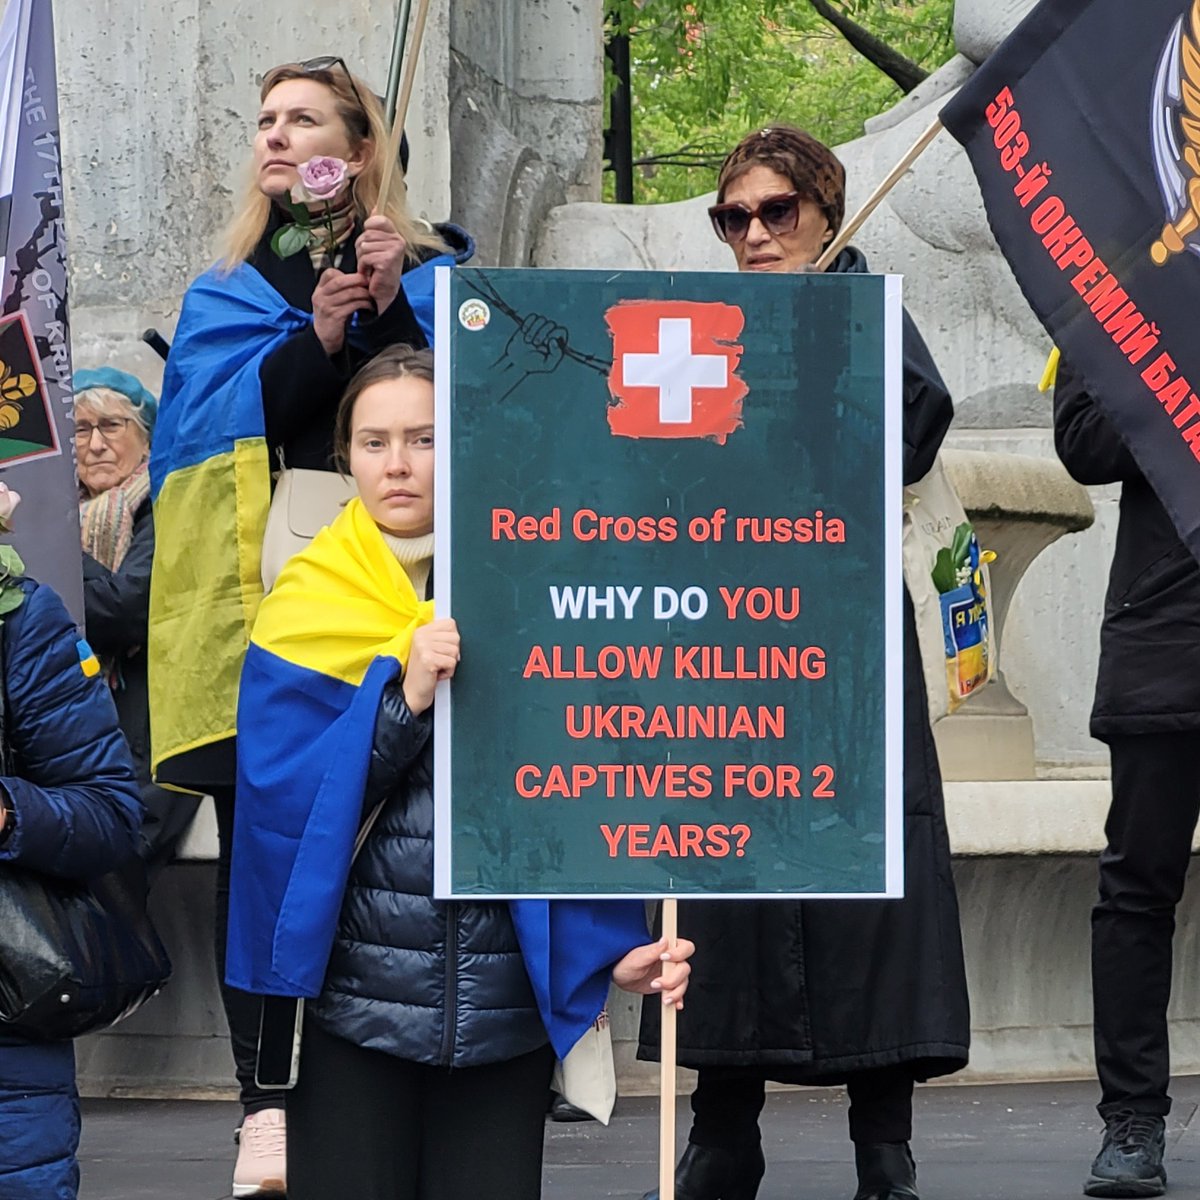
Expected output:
(365, 1124)
(1155, 802)
(242, 1010)
(727, 1102)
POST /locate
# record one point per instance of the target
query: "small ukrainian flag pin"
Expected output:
(87, 659)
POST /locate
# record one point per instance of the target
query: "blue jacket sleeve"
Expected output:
(74, 806)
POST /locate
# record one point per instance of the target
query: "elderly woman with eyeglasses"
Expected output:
(868, 994)
(322, 267)
(114, 421)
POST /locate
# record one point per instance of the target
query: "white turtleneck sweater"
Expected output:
(415, 555)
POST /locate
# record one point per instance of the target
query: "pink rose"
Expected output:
(321, 178)
(8, 502)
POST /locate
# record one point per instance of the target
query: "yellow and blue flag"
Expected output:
(335, 630)
(211, 485)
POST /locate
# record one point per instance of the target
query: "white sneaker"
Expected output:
(262, 1155)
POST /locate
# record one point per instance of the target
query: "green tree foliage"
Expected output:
(705, 72)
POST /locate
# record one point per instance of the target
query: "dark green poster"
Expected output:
(668, 523)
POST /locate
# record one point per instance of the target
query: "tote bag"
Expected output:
(947, 576)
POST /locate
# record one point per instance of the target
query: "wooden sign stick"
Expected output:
(392, 159)
(894, 176)
(666, 1078)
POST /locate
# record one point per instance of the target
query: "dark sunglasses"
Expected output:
(779, 214)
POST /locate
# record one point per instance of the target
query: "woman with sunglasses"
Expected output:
(869, 994)
(264, 349)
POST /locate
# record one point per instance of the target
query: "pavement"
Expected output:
(994, 1142)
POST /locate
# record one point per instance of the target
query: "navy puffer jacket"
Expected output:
(427, 981)
(74, 812)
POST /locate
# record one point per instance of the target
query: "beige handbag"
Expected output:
(587, 1077)
(303, 504)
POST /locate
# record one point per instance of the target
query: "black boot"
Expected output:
(712, 1173)
(886, 1171)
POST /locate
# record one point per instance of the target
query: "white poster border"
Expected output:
(443, 728)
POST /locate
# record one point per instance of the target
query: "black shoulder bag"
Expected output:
(75, 956)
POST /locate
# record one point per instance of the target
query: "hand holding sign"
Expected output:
(657, 967)
(436, 649)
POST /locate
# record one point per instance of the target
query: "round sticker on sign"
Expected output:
(474, 315)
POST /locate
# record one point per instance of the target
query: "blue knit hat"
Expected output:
(128, 385)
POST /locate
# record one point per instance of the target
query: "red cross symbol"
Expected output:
(674, 370)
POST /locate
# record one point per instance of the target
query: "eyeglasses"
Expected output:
(110, 428)
(779, 214)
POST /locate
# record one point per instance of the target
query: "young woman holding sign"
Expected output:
(870, 994)
(433, 1027)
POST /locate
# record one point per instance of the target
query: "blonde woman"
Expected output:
(264, 349)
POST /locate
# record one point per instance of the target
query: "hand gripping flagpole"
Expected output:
(666, 1078)
(894, 176)
(412, 54)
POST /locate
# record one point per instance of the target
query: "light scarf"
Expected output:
(341, 216)
(106, 520)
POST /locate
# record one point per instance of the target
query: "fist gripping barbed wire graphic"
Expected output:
(537, 346)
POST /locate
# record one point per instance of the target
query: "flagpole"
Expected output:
(398, 40)
(666, 1077)
(392, 154)
(893, 177)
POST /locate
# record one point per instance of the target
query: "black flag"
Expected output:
(1084, 132)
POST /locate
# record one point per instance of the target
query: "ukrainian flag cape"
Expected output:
(211, 484)
(333, 633)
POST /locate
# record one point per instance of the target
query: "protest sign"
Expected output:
(668, 525)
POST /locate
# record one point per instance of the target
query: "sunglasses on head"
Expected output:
(779, 214)
(322, 66)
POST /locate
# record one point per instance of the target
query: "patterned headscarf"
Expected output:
(811, 166)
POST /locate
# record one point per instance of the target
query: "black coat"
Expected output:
(1149, 677)
(301, 384)
(810, 991)
(116, 605)
(442, 983)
